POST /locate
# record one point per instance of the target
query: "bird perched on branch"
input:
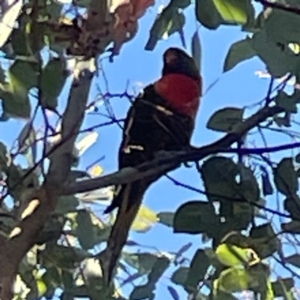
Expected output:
(162, 118)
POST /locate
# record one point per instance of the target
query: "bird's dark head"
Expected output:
(177, 61)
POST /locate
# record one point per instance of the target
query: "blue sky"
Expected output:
(239, 87)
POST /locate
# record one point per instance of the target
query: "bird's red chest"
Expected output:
(181, 92)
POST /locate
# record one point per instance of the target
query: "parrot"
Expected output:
(161, 118)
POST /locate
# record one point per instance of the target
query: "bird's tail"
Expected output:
(128, 202)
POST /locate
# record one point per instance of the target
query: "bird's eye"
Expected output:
(170, 56)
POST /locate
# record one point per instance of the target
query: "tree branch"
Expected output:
(43, 200)
(282, 6)
(164, 162)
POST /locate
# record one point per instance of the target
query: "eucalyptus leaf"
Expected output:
(238, 52)
(225, 119)
(285, 177)
(195, 217)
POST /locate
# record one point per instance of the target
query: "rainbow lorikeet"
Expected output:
(162, 118)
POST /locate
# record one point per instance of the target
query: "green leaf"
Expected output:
(238, 52)
(158, 269)
(207, 14)
(168, 22)
(27, 142)
(282, 285)
(54, 10)
(24, 74)
(65, 257)
(232, 256)
(142, 292)
(19, 41)
(285, 177)
(267, 187)
(197, 271)
(248, 184)
(166, 218)
(52, 230)
(233, 280)
(225, 119)
(22, 77)
(288, 103)
(297, 158)
(4, 156)
(281, 26)
(145, 261)
(84, 230)
(283, 121)
(15, 105)
(293, 260)
(219, 176)
(66, 204)
(264, 241)
(234, 11)
(52, 279)
(195, 217)
(180, 3)
(279, 61)
(196, 49)
(292, 205)
(180, 275)
(291, 227)
(53, 79)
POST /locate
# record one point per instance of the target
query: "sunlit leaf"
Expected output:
(86, 142)
(15, 103)
(207, 14)
(233, 280)
(231, 256)
(96, 170)
(41, 286)
(24, 74)
(233, 11)
(144, 220)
